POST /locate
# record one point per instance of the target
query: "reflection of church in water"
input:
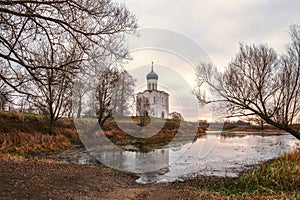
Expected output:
(152, 102)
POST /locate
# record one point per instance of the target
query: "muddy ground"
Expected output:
(29, 179)
(49, 179)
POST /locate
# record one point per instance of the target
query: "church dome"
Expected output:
(152, 75)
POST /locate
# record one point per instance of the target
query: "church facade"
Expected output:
(152, 102)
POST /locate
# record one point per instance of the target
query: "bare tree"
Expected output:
(51, 90)
(257, 121)
(113, 90)
(24, 24)
(258, 82)
(43, 42)
(4, 96)
(80, 89)
(4, 91)
(124, 91)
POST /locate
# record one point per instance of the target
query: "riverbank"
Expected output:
(25, 173)
(246, 133)
(49, 179)
(27, 134)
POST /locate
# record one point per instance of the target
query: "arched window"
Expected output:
(154, 100)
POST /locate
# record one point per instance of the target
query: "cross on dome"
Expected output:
(152, 74)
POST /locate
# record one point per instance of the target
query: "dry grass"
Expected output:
(275, 179)
(24, 143)
(25, 133)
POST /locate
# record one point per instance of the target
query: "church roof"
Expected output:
(152, 74)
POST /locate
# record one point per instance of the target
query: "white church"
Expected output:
(152, 102)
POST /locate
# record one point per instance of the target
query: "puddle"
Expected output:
(75, 155)
(211, 155)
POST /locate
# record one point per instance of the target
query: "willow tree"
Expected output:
(258, 82)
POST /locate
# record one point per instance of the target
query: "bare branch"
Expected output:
(258, 82)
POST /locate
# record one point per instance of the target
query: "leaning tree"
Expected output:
(258, 82)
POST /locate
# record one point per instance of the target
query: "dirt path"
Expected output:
(27, 179)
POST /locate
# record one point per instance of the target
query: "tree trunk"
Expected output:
(284, 127)
(293, 132)
(51, 127)
(79, 108)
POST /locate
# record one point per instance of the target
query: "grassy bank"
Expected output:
(275, 179)
(26, 133)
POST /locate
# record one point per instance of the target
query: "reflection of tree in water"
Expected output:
(120, 138)
(172, 131)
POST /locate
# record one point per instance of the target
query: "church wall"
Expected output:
(159, 102)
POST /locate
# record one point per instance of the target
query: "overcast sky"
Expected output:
(219, 25)
(216, 26)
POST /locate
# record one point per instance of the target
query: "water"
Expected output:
(210, 155)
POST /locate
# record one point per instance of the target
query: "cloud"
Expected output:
(220, 25)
